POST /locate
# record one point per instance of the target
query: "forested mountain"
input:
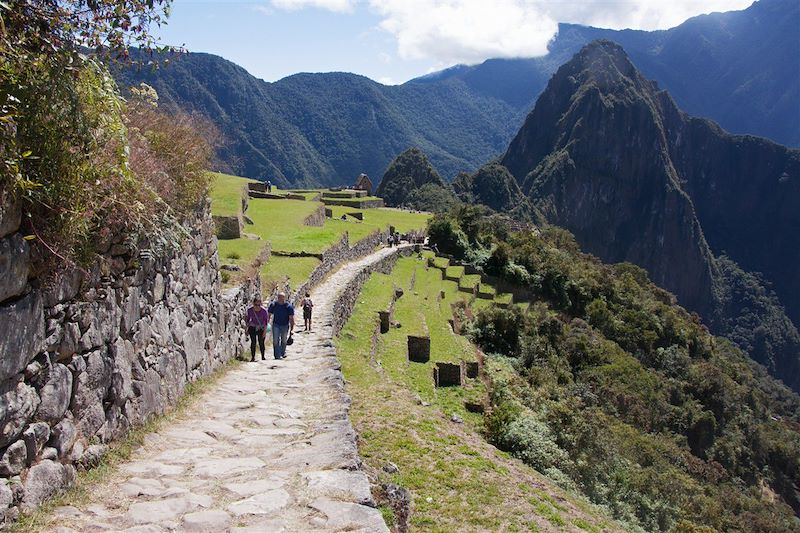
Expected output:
(408, 172)
(610, 157)
(606, 386)
(328, 128)
(738, 68)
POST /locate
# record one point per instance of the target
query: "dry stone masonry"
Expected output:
(270, 449)
(84, 360)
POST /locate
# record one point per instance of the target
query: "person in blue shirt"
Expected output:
(281, 313)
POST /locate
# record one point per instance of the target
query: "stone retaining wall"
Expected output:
(343, 307)
(87, 358)
(340, 252)
(354, 202)
(317, 218)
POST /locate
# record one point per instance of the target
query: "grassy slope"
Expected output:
(457, 480)
(226, 193)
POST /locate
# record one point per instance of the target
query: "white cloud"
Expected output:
(264, 10)
(470, 31)
(338, 6)
(453, 31)
(386, 80)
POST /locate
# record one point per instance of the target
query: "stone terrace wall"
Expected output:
(317, 218)
(85, 360)
(343, 307)
(340, 252)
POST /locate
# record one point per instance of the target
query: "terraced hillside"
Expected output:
(284, 236)
(427, 439)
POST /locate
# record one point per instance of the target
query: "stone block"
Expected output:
(228, 227)
(358, 215)
(44, 481)
(194, 344)
(385, 321)
(18, 403)
(471, 369)
(55, 394)
(448, 374)
(10, 215)
(64, 288)
(419, 349)
(21, 334)
(35, 437)
(328, 212)
(13, 459)
(63, 437)
(14, 266)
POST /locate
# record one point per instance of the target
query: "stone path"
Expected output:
(270, 449)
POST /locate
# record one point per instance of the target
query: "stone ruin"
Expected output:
(385, 318)
(419, 349)
(448, 374)
(363, 183)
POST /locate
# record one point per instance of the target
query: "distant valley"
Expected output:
(327, 128)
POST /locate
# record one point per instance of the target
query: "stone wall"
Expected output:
(317, 218)
(340, 252)
(343, 307)
(354, 202)
(228, 227)
(88, 357)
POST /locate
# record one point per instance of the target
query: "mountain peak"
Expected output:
(409, 171)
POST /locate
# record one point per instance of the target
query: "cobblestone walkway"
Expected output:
(270, 449)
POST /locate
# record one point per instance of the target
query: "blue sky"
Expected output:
(392, 41)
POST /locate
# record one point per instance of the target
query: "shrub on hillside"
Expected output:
(68, 156)
(657, 420)
(430, 197)
(170, 152)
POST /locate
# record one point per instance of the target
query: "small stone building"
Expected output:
(363, 183)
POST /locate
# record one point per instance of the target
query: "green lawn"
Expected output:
(240, 252)
(469, 281)
(281, 223)
(281, 269)
(505, 298)
(226, 193)
(454, 272)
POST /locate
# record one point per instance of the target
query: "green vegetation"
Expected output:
(280, 270)
(280, 222)
(493, 186)
(409, 171)
(608, 387)
(457, 481)
(87, 167)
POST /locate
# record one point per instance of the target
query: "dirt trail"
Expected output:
(270, 449)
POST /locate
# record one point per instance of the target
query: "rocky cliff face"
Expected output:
(409, 171)
(493, 186)
(84, 359)
(608, 156)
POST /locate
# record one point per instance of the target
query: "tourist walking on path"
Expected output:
(282, 314)
(257, 320)
(308, 306)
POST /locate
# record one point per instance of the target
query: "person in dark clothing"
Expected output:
(257, 320)
(308, 306)
(282, 314)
